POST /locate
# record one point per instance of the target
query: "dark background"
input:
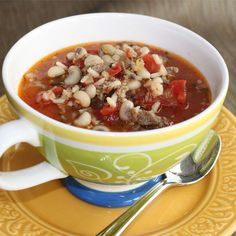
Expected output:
(215, 20)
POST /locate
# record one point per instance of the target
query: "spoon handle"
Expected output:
(122, 222)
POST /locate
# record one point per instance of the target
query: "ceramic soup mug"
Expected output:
(101, 160)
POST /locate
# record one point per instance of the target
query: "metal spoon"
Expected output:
(192, 169)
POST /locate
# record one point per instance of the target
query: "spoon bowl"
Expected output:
(189, 171)
(197, 165)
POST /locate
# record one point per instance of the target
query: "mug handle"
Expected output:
(15, 132)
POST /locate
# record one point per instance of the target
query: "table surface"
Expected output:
(215, 20)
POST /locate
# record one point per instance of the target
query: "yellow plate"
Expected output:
(205, 208)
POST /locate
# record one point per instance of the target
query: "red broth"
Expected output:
(175, 91)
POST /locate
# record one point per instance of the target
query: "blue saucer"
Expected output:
(108, 199)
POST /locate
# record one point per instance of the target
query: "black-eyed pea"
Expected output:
(91, 90)
(58, 63)
(70, 56)
(82, 98)
(125, 108)
(74, 75)
(93, 60)
(80, 52)
(55, 71)
(83, 120)
(134, 84)
(108, 49)
(107, 59)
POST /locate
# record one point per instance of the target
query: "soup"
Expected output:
(115, 86)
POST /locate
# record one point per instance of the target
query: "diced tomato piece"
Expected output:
(79, 63)
(115, 70)
(113, 117)
(150, 64)
(168, 99)
(92, 51)
(107, 110)
(57, 90)
(178, 88)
